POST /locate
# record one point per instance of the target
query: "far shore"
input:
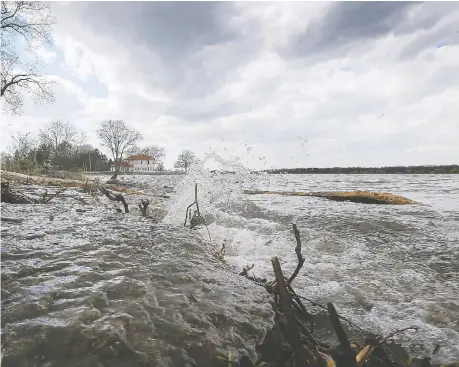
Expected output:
(398, 170)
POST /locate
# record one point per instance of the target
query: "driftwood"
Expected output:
(112, 196)
(85, 185)
(14, 197)
(299, 255)
(193, 219)
(47, 198)
(17, 197)
(143, 205)
(302, 355)
(11, 220)
(305, 348)
(196, 218)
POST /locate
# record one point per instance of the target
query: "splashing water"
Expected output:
(385, 267)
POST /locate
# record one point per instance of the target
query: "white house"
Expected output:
(137, 163)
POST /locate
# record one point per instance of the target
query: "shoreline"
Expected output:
(322, 317)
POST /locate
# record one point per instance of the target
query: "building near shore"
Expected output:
(137, 163)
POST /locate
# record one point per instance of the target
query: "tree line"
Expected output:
(121, 139)
(59, 146)
(445, 169)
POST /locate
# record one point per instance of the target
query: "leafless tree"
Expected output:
(6, 160)
(119, 138)
(22, 145)
(60, 136)
(185, 160)
(23, 151)
(32, 22)
(157, 153)
(79, 142)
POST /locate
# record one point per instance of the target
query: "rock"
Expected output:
(114, 181)
(11, 220)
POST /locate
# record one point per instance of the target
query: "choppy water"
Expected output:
(385, 267)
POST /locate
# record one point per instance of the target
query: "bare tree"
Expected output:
(185, 160)
(79, 142)
(59, 136)
(157, 153)
(32, 22)
(23, 144)
(119, 138)
(23, 151)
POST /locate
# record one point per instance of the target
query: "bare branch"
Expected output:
(155, 152)
(47, 199)
(32, 22)
(298, 255)
(143, 205)
(340, 333)
(112, 196)
(302, 355)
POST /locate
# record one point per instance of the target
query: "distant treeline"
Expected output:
(448, 169)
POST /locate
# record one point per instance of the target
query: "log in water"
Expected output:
(362, 197)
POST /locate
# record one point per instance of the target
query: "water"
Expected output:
(384, 267)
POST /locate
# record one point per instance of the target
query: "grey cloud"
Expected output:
(172, 28)
(425, 16)
(348, 22)
(447, 33)
(186, 48)
(191, 55)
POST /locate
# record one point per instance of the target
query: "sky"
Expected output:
(269, 84)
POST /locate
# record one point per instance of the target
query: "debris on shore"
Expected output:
(362, 197)
(294, 340)
(87, 185)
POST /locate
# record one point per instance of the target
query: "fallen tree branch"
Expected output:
(340, 333)
(343, 355)
(299, 255)
(112, 196)
(81, 200)
(195, 202)
(396, 332)
(366, 352)
(305, 349)
(195, 219)
(245, 271)
(302, 355)
(14, 197)
(47, 199)
(143, 205)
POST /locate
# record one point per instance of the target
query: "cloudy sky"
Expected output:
(296, 84)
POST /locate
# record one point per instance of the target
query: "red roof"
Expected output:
(140, 157)
(124, 164)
